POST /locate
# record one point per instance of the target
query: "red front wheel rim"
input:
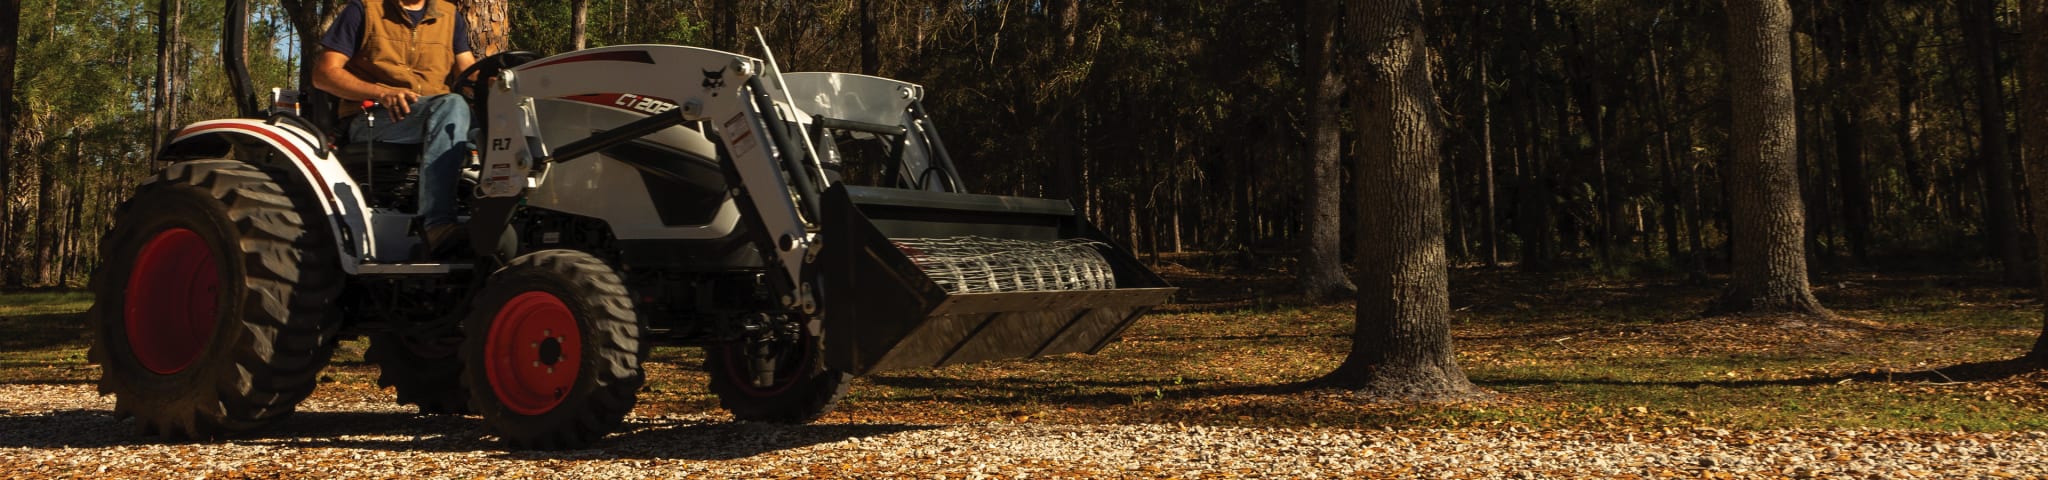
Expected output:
(171, 304)
(533, 353)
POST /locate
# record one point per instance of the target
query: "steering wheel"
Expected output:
(486, 68)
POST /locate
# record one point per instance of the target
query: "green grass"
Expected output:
(43, 338)
(1560, 351)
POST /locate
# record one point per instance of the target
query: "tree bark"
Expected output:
(1995, 164)
(1769, 258)
(45, 222)
(165, 107)
(234, 57)
(1401, 348)
(490, 26)
(579, 11)
(10, 32)
(2034, 128)
(309, 20)
(1491, 223)
(1906, 125)
(1321, 266)
(870, 40)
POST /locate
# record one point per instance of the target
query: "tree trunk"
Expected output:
(68, 254)
(1491, 221)
(579, 12)
(726, 28)
(234, 57)
(2034, 134)
(1995, 164)
(309, 20)
(1321, 268)
(870, 40)
(1401, 348)
(1906, 126)
(490, 26)
(46, 211)
(1769, 259)
(10, 31)
(1848, 74)
(1666, 161)
(163, 108)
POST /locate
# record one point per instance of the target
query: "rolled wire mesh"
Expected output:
(972, 264)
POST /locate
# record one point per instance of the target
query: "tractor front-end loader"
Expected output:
(804, 229)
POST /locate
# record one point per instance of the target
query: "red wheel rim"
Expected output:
(533, 353)
(170, 307)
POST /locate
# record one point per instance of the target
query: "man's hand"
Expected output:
(398, 101)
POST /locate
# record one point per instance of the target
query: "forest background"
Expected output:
(1578, 134)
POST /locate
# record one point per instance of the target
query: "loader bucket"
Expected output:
(884, 312)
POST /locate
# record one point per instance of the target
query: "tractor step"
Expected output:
(410, 268)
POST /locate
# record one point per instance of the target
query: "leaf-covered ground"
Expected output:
(1564, 351)
(1596, 377)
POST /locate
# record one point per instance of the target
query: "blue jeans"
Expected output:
(440, 125)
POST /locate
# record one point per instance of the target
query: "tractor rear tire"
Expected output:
(802, 392)
(552, 351)
(424, 373)
(210, 312)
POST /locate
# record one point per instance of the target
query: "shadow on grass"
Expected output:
(43, 331)
(1971, 372)
(405, 432)
(1019, 391)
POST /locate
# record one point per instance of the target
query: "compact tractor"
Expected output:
(802, 228)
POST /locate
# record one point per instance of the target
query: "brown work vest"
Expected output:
(396, 53)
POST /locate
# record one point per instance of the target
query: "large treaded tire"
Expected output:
(804, 393)
(251, 352)
(428, 376)
(552, 350)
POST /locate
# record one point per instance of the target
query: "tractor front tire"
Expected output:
(210, 311)
(552, 351)
(802, 390)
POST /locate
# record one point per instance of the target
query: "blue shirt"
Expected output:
(346, 34)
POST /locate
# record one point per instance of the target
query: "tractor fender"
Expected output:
(290, 149)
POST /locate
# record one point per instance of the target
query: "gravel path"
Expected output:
(66, 431)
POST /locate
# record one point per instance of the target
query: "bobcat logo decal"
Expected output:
(713, 80)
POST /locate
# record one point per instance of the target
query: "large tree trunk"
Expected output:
(234, 57)
(1995, 164)
(1769, 258)
(1401, 348)
(2034, 133)
(1321, 266)
(10, 30)
(490, 26)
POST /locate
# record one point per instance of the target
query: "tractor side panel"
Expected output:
(666, 186)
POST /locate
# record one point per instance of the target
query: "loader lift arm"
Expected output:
(720, 89)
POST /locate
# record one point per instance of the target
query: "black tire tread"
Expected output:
(819, 394)
(612, 344)
(292, 276)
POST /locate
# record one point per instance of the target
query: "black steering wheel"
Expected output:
(471, 79)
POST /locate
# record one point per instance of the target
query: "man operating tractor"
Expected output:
(392, 62)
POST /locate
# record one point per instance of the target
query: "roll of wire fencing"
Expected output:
(973, 264)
